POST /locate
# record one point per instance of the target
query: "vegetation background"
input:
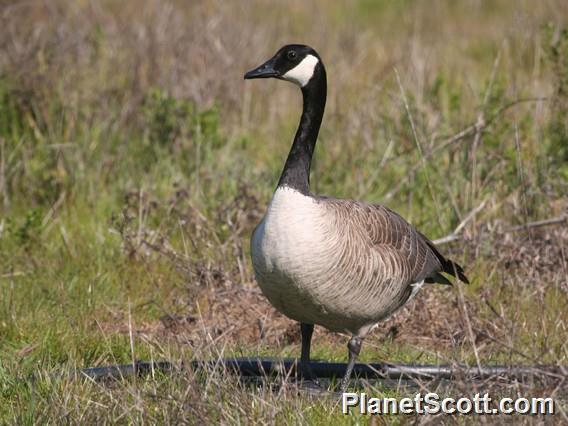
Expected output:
(135, 162)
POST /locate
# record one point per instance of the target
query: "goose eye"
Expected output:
(292, 55)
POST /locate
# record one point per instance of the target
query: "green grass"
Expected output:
(135, 163)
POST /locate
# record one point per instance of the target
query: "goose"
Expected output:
(341, 264)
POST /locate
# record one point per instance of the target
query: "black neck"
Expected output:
(296, 173)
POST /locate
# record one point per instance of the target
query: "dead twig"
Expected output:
(540, 223)
(536, 224)
(456, 234)
(476, 128)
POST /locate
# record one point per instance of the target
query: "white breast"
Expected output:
(287, 251)
(286, 240)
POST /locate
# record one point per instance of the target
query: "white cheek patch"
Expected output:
(303, 72)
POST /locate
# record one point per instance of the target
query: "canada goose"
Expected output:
(341, 264)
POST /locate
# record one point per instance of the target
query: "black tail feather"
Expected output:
(448, 266)
(455, 270)
(438, 278)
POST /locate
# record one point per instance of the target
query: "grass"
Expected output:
(135, 162)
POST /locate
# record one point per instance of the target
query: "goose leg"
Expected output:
(305, 368)
(354, 347)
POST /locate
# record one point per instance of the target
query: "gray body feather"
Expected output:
(342, 264)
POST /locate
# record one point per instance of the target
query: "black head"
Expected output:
(295, 62)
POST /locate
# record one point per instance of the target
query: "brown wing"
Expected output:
(385, 228)
(429, 262)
